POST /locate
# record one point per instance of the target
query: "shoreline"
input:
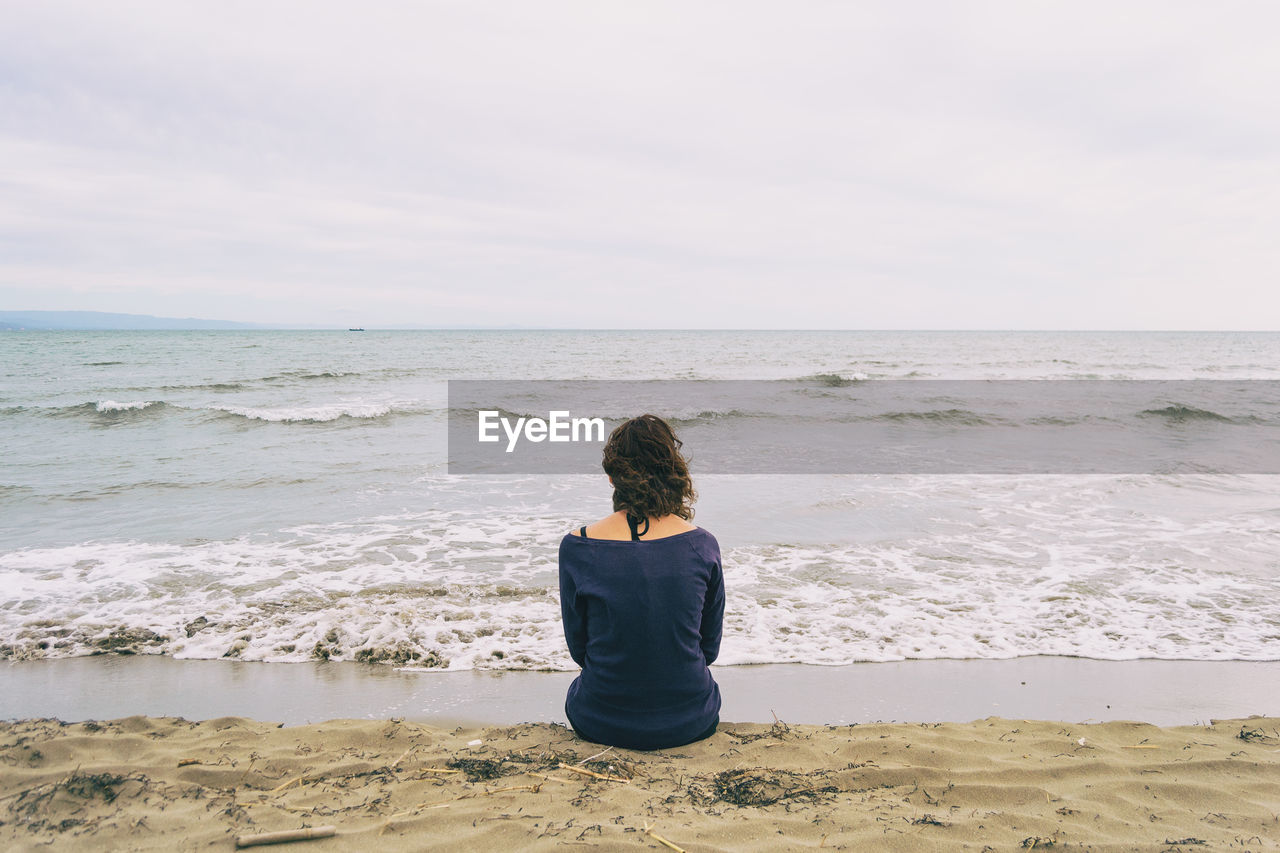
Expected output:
(1055, 688)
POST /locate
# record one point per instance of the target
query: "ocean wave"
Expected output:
(1065, 420)
(111, 406)
(836, 380)
(8, 491)
(104, 411)
(675, 417)
(107, 412)
(443, 591)
(309, 414)
(678, 419)
(205, 386)
(306, 375)
(284, 378)
(1178, 413)
(424, 591)
(107, 408)
(961, 417)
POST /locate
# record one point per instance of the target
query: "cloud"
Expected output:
(611, 164)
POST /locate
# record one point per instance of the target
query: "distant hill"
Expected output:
(99, 320)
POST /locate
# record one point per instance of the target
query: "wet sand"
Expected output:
(1052, 688)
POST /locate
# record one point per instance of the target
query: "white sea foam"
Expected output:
(452, 589)
(316, 414)
(133, 405)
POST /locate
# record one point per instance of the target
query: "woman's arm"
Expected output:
(572, 616)
(713, 613)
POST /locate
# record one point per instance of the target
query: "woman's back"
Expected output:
(643, 618)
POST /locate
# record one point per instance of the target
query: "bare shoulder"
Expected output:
(614, 526)
(670, 525)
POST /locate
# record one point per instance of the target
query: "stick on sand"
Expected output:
(664, 842)
(295, 780)
(582, 771)
(287, 835)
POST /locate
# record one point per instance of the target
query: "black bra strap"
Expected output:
(582, 531)
(636, 532)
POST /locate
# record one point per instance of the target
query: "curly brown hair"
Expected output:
(650, 476)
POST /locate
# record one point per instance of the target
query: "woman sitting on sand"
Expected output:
(642, 597)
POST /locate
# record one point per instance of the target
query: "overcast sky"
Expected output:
(1012, 164)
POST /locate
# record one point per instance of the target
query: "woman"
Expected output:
(642, 597)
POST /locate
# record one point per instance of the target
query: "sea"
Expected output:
(286, 496)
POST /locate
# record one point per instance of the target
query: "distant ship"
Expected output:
(355, 330)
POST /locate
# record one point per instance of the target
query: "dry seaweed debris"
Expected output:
(760, 787)
(37, 807)
(85, 786)
(927, 820)
(1254, 735)
(778, 730)
(521, 761)
(480, 769)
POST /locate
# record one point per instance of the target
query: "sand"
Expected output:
(156, 783)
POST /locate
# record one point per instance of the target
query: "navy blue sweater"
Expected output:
(643, 619)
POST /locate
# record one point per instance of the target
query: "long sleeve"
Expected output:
(575, 620)
(713, 614)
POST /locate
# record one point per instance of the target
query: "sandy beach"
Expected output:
(157, 783)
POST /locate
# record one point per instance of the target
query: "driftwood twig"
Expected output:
(295, 780)
(658, 838)
(594, 775)
(597, 755)
(287, 835)
(550, 778)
